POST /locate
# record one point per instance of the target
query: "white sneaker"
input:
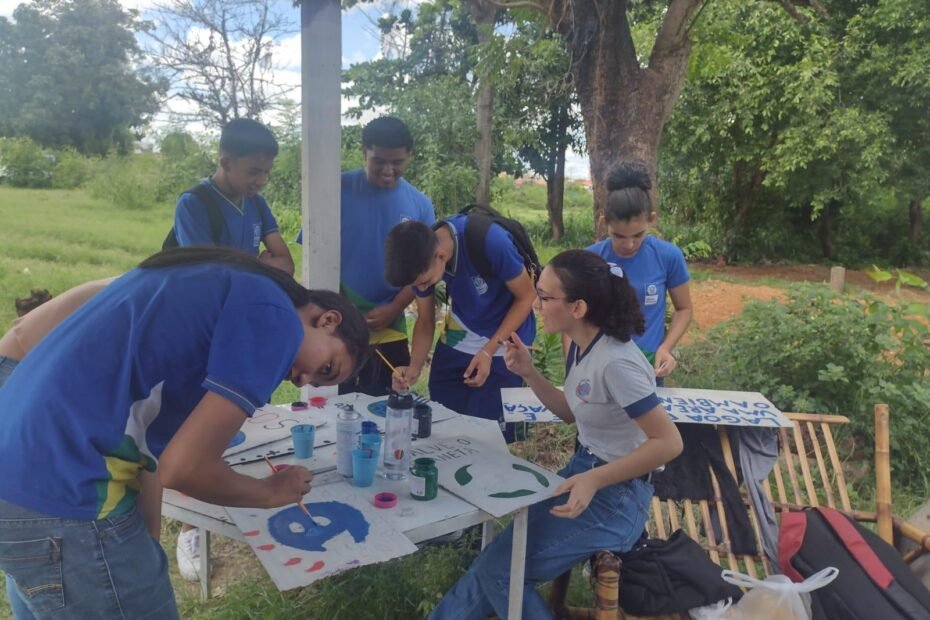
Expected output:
(188, 552)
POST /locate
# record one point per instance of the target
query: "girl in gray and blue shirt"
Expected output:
(623, 435)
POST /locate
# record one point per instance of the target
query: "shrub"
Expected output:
(132, 182)
(25, 164)
(72, 170)
(824, 352)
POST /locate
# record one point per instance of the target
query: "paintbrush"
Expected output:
(509, 341)
(384, 359)
(274, 470)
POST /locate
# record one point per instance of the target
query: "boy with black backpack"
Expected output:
(489, 267)
(226, 208)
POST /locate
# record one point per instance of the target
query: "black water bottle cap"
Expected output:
(400, 401)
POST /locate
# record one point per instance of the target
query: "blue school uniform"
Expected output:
(478, 307)
(245, 224)
(657, 267)
(104, 392)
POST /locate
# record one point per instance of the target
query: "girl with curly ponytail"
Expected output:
(624, 434)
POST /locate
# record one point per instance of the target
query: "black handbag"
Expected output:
(670, 576)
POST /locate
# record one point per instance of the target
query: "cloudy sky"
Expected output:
(360, 42)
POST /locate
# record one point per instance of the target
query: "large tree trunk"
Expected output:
(555, 196)
(624, 106)
(915, 216)
(484, 13)
(825, 231)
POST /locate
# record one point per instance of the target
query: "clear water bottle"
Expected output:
(398, 423)
(348, 427)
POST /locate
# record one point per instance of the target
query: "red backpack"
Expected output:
(873, 581)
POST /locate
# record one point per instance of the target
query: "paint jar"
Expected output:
(348, 426)
(423, 414)
(424, 479)
(303, 436)
(398, 418)
(364, 464)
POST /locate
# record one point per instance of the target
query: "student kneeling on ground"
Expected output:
(624, 434)
(468, 370)
(144, 385)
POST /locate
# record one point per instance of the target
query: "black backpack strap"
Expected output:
(478, 220)
(208, 197)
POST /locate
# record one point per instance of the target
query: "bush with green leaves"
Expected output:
(824, 352)
(24, 163)
(72, 170)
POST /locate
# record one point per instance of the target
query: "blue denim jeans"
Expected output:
(62, 568)
(614, 520)
(7, 364)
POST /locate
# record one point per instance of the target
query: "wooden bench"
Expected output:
(808, 472)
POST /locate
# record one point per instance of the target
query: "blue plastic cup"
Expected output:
(364, 464)
(303, 436)
(371, 442)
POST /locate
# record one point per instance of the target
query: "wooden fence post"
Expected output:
(838, 279)
(883, 474)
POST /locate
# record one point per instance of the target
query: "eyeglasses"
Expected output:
(544, 298)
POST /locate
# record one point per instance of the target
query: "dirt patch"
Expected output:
(717, 300)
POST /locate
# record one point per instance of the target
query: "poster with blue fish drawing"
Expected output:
(346, 532)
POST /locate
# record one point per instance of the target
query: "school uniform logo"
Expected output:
(583, 389)
(652, 295)
(480, 285)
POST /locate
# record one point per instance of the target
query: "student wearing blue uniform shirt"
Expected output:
(468, 370)
(624, 434)
(654, 266)
(247, 152)
(145, 385)
(373, 200)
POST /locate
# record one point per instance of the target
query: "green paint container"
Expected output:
(424, 479)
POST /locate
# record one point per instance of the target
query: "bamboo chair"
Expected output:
(808, 472)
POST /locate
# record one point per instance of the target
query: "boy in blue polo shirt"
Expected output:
(374, 199)
(144, 385)
(247, 152)
(468, 370)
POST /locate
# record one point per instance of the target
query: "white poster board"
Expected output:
(693, 406)
(346, 533)
(486, 476)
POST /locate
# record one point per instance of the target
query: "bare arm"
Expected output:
(192, 462)
(665, 362)
(524, 294)
(149, 502)
(663, 443)
(518, 360)
(382, 316)
(423, 331)
(276, 253)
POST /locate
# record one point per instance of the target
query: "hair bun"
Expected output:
(629, 174)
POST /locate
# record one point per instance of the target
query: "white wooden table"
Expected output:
(419, 521)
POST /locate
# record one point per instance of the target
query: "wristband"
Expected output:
(490, 357)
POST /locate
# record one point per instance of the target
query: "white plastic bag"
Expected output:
(775, 598)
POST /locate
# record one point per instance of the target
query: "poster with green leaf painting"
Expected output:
(486, 474)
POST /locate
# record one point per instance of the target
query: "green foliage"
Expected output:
(900, 277)
(822, 352)
(72, 170)
(788, 140)
(127, 182)
(71, 77)
(25, 164)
